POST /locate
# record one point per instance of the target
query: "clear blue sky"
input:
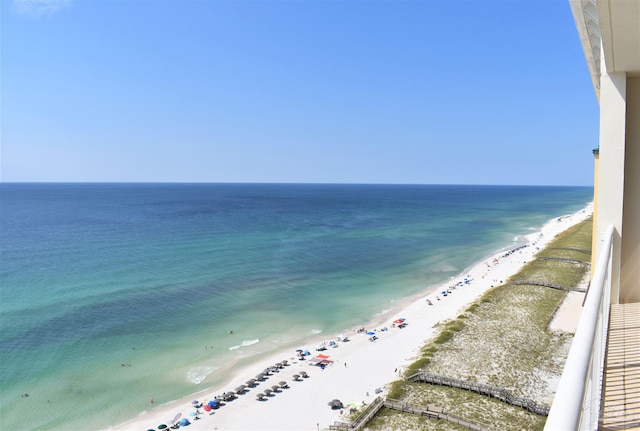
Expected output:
(421, 92)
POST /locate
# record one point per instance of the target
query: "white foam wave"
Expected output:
(316, 331)
(198, 374)
(246, 343)
(385, 311)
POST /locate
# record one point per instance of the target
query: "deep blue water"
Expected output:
(94, 276)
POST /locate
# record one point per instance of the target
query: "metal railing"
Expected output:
(576, 405)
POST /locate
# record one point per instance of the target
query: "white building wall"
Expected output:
(630, 247)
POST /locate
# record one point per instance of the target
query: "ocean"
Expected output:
(115, 293)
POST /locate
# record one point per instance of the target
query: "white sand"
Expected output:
(568, 315)
(360, 366)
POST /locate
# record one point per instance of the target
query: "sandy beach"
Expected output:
(360, 368)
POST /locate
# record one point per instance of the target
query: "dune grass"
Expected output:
(503, 340)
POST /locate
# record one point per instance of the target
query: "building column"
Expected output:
(613, 110)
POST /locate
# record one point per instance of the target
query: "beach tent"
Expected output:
(184, 422)
(335, 404)
(321, 360)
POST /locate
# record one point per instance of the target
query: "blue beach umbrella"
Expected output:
(371, 333)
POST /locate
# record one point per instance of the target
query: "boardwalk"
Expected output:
(430, 412)
(362, 420)
(564, 259)
(579, 250)
(482, 389)
(550, 285)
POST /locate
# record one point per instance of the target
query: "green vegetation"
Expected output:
(503, 340)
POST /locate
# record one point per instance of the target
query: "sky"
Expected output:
(295, 91)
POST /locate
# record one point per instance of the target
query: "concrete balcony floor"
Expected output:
(621, 393)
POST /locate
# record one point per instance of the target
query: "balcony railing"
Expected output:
(576, 405)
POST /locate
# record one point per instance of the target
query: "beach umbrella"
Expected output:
(195, 402)
(193, 414)
(371, 333)
(184, 422)
(161, 426)
(207, 408)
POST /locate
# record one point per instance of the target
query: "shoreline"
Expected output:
(360, 367)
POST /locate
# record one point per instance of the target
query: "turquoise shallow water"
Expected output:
(113, 293)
